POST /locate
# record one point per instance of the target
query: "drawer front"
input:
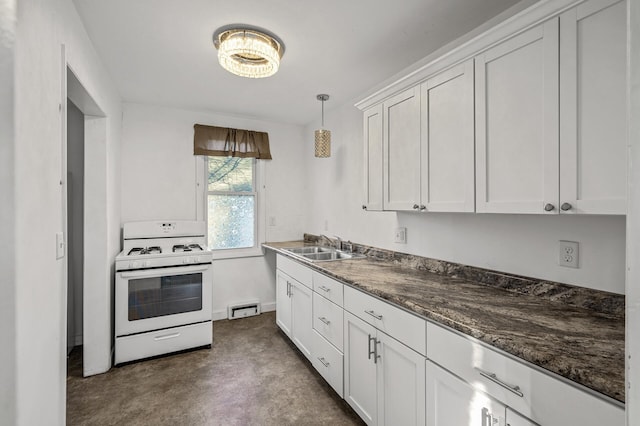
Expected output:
(401, 325)
(295, 270)
(328, 287)
(537, 395)
(144, 345)
(328, 361)
(327, 320)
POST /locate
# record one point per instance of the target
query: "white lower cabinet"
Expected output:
(384, 380)
(453, 402)
(537, 396)
(293, 311)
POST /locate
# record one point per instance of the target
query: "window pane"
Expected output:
(231, 221)
(230, 174)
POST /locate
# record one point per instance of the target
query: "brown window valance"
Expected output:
(226, 142)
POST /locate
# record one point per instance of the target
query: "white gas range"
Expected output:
(163, 289)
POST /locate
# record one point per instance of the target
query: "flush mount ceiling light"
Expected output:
(323, 137)
(248, 51)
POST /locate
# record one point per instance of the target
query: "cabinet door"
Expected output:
(448, 168)
(373, 158)
(517, 123)
(401, 383)
(283, 302)
(401, 175)
(593, 142)
(515, 419)
(452, 402)
(359, 368)
(301, 319)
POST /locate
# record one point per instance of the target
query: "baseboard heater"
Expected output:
(244, 309)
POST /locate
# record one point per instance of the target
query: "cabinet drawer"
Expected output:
(328, 287)
(537, 395)
(328, 361)
(401, 325)
(327, 320)
(294, 269)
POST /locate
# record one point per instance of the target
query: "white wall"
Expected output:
(159, 182)
(43, 26)
(7, 213)
(525, 245)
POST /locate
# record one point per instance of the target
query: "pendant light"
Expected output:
(323, 137)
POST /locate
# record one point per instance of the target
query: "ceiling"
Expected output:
(161, 52)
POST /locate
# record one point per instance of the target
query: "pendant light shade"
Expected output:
(248, 52)
(323, 136)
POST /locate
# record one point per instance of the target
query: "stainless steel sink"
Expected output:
(322, 253)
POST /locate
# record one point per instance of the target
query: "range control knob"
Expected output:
(134, 265)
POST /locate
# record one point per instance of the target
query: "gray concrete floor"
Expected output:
(252, 375)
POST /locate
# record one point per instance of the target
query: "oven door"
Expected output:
(154, 299)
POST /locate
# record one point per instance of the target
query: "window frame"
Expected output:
(202, 205)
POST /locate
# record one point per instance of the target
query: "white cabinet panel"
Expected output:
(401, 154)
(359, 369)
(447, 117)
(403, 326)
(301, 324)
(373, 158)
(515, 419)
(328, 361)
(327, 320)
(517, 123)
(593, 144)
(295, 270)
(401, 383)
(453, 402)
(328, 287)
(283, 302)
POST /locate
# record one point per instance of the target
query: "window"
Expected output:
(231, 203)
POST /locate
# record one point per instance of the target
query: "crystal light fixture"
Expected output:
(248, 51)
(323, 137)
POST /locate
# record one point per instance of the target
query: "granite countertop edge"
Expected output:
(582, 375)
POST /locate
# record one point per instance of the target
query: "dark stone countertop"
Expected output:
(583, 345)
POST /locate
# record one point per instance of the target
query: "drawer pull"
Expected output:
(373, 314)
(325, 289)
(324, 362)
(324, 320)
(494, 379)
(167, 336)
(369, 346)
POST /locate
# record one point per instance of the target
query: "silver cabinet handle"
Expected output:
(416, 207)
(325, 289)
(373, 314)
(324, 320)
(167, 336)
(370, 352)
(549, 207)
(373, 352)
(492, 376)
(566, 206)
(364, 207)
(324, 362)
(288, 288)
(422, 207)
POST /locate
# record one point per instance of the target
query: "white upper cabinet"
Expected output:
(401, 153)
(593, 108)
(517, 127)
(447, 118)
(373, 158)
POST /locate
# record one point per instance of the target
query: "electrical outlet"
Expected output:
(401, 235)
(568, 254)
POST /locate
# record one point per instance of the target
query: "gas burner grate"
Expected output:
(178, 248)
(137, 251)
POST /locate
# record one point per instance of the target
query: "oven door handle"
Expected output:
(156, 272)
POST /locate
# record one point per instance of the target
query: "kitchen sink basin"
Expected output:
(322, 253)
